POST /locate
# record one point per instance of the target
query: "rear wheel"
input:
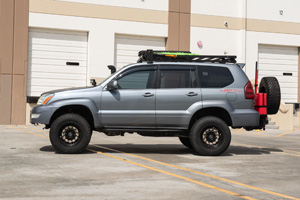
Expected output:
(186, 142)
(270, 85)
(70, 133)
(210, 136)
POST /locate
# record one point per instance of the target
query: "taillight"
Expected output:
(249, 92)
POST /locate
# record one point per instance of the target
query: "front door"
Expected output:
(132, 105)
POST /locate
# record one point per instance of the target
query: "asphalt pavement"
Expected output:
(257, 165)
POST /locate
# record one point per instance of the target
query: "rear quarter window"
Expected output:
(214, 77)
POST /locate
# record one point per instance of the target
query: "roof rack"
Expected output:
(182, 56)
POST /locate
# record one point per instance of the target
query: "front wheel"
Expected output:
(70, 133)
(210, 136)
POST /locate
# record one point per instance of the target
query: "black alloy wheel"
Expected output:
(210, 136)
(70, 133)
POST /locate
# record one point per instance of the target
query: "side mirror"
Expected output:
(112, 85)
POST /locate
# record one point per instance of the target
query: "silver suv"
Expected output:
(161, 95)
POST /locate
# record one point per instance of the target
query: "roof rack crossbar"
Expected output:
(182, 56)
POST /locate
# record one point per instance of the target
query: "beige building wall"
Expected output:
(13, 60)
(186, 25)
(179, 22)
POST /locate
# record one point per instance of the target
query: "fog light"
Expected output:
(34, 116)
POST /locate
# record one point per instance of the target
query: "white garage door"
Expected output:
(127, 47)
(56, 59)
(281, 62)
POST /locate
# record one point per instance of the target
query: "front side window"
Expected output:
(137, 80)
(214, 77)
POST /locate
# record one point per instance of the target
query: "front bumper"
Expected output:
(41, 114)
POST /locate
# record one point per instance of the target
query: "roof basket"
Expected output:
(182, 56)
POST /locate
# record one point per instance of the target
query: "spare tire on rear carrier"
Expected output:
(270, 86)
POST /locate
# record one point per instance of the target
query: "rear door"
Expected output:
(177, 91)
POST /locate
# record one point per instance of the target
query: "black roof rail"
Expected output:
(182, 56)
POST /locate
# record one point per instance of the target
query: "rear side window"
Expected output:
(214, 77)
(177, 79)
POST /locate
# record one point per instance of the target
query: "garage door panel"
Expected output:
(276, 60)
(61, 62)
(56, 75)
(128, 58)
(277, 57)
(277, 67)
(62, 35)
(280, 50)
(283, 79)
(141, 41)
(135, 47)
(57, 31)
(48, 53)
(58, 69)
(51, 48)
(61, 83)
(57, 55)
(289, 98)
(127, 47)
(288, 85)
(278, 73)
(126, 52)
(54, 42)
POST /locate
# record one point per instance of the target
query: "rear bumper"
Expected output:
(245, 118)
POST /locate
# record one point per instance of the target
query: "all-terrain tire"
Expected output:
(186, 142)
(270, 85)
(70, 133)
(210, 136)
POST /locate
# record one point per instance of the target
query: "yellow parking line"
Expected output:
(257, 132)
(175, 175)
(201, 173)
(285, 133)
(27, 131)
(35, 129)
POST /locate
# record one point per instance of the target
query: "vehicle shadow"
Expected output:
(177, 149)
(164, 149)
(49, 148)
(242, 150)
(142, 148)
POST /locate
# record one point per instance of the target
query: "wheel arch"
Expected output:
(211, 111)
(81, 110)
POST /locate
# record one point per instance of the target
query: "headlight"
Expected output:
(44, 99)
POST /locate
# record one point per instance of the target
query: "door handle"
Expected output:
(148, 94)
(191, 94)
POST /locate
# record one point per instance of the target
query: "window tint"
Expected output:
(214, 77)
(177, 79)
(137, 80)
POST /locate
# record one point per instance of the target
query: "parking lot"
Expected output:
(257, 165)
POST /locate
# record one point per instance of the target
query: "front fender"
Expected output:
(47, 111)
